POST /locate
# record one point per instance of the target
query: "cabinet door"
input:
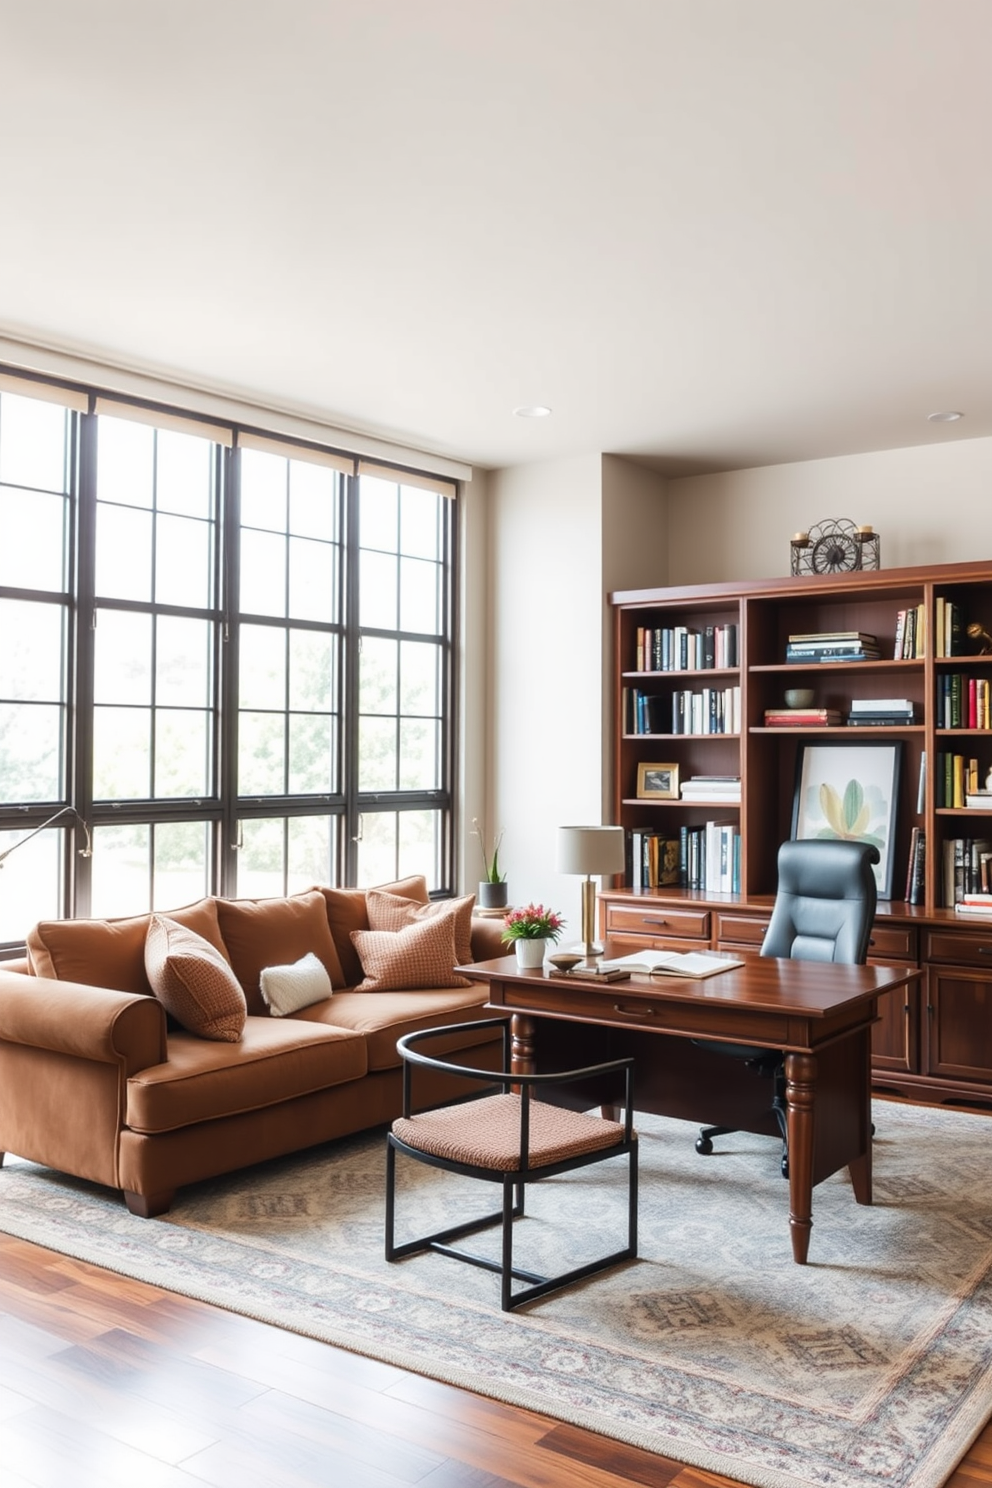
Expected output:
(895, 1038)
(958, 1025)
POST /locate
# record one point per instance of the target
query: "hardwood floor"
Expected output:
(106, 1381)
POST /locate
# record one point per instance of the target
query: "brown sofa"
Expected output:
(96, 1080)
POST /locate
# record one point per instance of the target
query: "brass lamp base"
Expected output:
(592, 950)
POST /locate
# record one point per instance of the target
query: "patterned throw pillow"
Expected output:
(193, 982)
(390, 912)
(420, 955)
(286, 989)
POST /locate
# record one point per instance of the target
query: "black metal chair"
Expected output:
(823, 911)
(510, 1139)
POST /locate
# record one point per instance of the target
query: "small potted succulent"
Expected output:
(492, 886)
(531, 931)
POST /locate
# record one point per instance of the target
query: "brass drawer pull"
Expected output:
(654, 920)
(634, 1012)
(985, 950)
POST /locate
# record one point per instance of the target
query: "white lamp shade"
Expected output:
(590, 850)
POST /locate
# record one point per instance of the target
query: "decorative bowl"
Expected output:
(799, 697)
(564, 961)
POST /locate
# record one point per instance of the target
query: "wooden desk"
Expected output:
(819, 1013)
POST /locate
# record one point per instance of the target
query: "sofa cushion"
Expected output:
(383, 1017)
(111, 953)
(275, 932)
(286, 989)
(419, 955)
(193, 981)
(276, 1060)
(392, 912)
(346, 911)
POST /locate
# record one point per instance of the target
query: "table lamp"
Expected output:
(590, 850)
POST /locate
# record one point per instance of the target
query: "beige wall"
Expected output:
(562, 533)
(930, 505)
(474, 763)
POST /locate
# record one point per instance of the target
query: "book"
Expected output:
(831, 637)
(867, 720)
(801, 717)
(694, 964)
(599, 973)
(882, 705)
(900, 632)
(980, 800)
(832, 653)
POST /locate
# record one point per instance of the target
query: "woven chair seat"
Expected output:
(486, 1133)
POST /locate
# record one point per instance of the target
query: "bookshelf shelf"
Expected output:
(848, 730)
(675, 674)
(680, 737)
(806, 667)
(684, 805)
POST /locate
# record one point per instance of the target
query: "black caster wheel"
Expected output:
(704, 1146)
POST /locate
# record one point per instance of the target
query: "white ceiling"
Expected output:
(708, 233)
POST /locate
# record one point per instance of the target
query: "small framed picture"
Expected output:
(657, 782)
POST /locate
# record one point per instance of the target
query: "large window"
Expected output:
(228, 656)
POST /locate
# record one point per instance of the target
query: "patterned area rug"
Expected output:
(868, 1368)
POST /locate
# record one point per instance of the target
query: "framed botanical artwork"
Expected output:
(657, 782)
(849, 793)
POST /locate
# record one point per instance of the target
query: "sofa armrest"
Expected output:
(486, 942)
(82, 1022)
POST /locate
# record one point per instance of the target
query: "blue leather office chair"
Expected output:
(823, 911)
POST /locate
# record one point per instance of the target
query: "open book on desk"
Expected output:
(673, 963)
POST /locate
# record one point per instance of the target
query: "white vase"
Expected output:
(530, 953)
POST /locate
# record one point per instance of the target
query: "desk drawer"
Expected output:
(660, 922)
(740, 930)
(898, 941)
(960, 948)
(629, 1004)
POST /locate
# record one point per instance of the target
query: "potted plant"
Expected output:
(492, 886)
(530, 931)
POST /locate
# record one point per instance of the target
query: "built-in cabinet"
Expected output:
(935, 1037)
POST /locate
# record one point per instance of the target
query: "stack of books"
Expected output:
(833, 645)
(802, 717)
(721, 789)
(868, 712)
(974, 904)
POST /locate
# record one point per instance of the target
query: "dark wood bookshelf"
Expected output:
(936, 1041)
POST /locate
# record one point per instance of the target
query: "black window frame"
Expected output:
(223, 809)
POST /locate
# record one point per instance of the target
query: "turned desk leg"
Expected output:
(800, 1090)
(523, 1051)
(860, 1168)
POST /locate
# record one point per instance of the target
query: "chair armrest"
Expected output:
(83, 1022)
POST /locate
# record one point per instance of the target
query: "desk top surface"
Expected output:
(811, 989)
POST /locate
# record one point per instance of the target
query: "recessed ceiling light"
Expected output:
(951, 416)
(532, 410)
